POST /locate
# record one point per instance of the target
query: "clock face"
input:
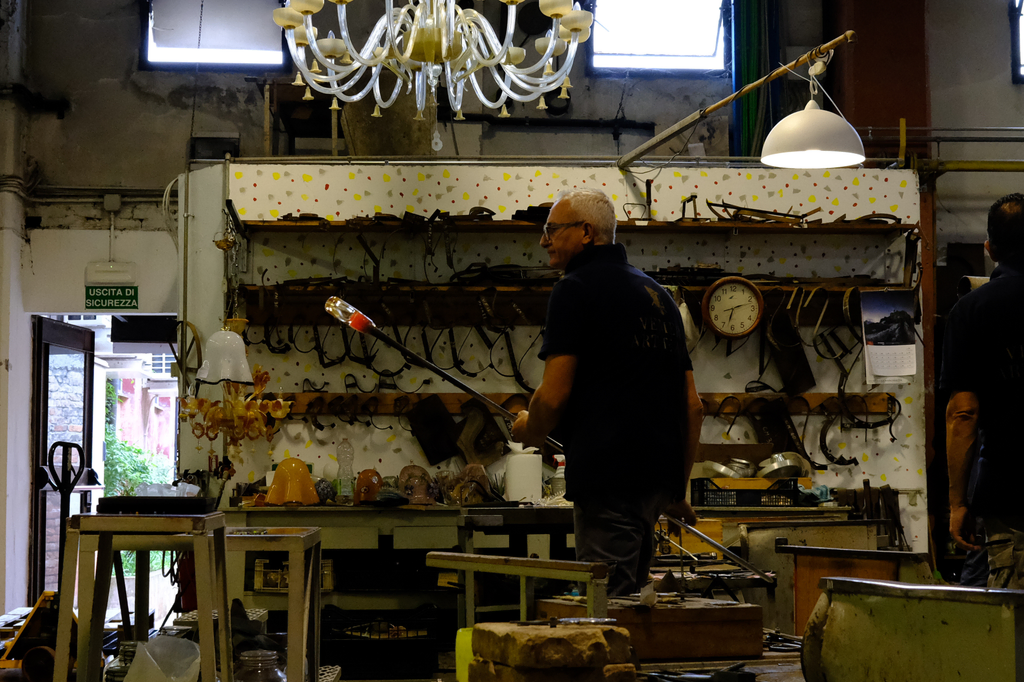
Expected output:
(732, 307)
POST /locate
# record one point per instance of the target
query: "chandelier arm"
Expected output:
(521, 77)
(402, 57)
(315, 80)
(328, 63)
(490, 104)
(394, 93)
(380, 29)
(490, 39)
(336, 72)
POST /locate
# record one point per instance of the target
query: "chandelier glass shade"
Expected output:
(430, 42)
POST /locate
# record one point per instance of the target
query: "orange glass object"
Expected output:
(368, 484)
(292, 484)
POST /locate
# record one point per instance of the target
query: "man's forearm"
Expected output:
(961, 441)
(694, 422)
(544, 414)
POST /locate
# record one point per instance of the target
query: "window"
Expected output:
(232, 33)
(1017, 65)
(161, 364)
(660, 34)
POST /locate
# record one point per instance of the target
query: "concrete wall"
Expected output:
(971, 86)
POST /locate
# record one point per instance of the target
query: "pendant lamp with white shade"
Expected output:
(812, 138)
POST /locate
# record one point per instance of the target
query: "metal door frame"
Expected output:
(48, 332)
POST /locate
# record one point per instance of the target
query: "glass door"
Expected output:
(62, 385)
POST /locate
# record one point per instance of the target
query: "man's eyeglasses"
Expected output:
(550, 229)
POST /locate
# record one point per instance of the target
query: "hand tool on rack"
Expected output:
(350, 316)
(725, 552)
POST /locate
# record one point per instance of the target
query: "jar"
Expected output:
(260, 665)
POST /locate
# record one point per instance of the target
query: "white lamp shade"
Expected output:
(286, 17)
(541, 45)
(566, 35)
(812, 138)
(577, 20)
(333, 48)
(307, 6)
(225, 360)
(555, 8)
(515, 55)
(301, 38)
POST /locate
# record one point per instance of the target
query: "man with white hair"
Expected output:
(618, 391)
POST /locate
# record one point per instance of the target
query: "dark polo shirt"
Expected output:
(983, 353)
(623, 428)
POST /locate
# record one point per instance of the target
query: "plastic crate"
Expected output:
(380, 645)
(782, 493)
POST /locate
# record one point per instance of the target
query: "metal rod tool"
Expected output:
(735, 557)
(350, 316)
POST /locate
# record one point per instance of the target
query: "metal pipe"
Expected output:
(721, 548)
(696, 117)
(977, 166)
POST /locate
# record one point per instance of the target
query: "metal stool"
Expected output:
(303, 547)
(97, 537)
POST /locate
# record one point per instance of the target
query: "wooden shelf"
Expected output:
(466, 305)
(364, 404)
(461, 223)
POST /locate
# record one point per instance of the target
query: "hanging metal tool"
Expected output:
(350, 316)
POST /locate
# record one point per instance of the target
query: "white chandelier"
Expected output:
(427, 42)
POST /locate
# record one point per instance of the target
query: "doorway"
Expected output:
(62, 390)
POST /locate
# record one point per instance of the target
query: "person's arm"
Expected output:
(694, 417)
(548, 402)
(961, 447)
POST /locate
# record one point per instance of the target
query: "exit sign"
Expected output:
(112, 298)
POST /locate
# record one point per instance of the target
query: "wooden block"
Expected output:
(481, 670)
(542, 646)
(693, 629)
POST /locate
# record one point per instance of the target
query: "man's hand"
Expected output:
(520, 429)
(961, 528)
(682, 510)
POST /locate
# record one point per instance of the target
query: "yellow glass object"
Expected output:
(292, 484)
(463, 653)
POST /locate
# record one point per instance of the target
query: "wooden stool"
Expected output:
(303, 547)
(97, 537)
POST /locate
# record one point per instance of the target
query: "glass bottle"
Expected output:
(343, 484)
(260, 666)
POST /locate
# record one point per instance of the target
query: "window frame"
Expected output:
(144, 64)
(591, 71)
(1014, 9)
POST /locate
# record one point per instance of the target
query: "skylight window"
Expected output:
(232, 33)
(659, 34)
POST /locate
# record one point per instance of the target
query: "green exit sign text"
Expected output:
(112, 298)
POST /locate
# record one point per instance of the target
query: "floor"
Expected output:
(771, 668)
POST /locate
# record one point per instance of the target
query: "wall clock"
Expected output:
(732, 307)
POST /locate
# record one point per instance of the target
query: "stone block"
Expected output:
(481, 670)
(542, 646)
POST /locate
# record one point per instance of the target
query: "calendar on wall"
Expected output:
(887, 319)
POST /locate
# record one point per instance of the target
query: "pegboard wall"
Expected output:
(268, 191)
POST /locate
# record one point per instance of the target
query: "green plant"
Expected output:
(125, 468)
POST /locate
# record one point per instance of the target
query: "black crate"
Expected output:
(380, 645)
(782, 493)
